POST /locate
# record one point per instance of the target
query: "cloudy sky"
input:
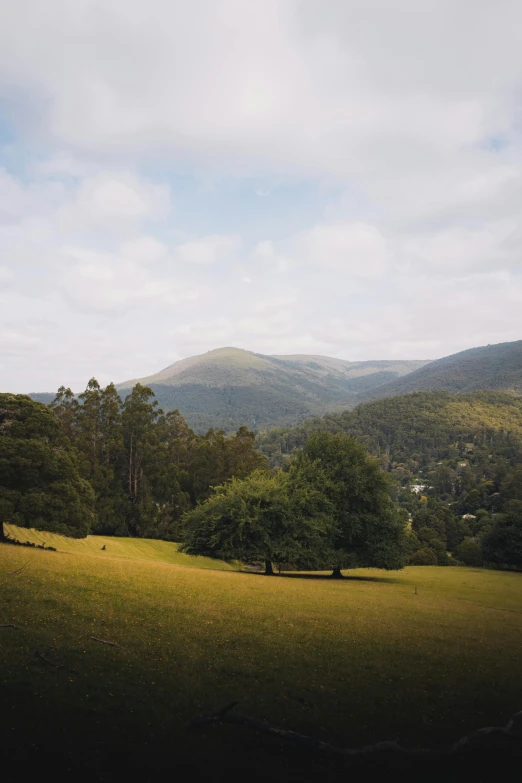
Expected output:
(338, 177)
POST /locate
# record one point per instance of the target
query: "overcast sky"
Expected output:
(338, 177)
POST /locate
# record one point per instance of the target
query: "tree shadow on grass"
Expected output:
(327, 577)
(348, 578)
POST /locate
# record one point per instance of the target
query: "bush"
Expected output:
(470, 553)
(454, 561)
(424, 556)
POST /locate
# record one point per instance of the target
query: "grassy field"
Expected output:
(350, 662)
(127, 548)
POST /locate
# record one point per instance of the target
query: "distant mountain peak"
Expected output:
(230, 386)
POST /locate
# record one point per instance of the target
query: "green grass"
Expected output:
(133, 548)
(351, 661)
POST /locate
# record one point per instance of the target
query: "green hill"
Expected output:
(495, 367)
(45, 397)
(229, 387)
(415, 428)
(114, 547)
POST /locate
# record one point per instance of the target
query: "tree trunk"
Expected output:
(2, 531)
(269, 571)
(336, 573)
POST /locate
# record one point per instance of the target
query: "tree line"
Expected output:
(122, 467)
(99, 464)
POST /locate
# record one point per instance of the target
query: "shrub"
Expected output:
(424, 556)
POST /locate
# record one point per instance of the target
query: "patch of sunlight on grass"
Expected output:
(133, 548)
(351, 661)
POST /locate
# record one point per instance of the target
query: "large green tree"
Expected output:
(40, 482)
(368, 530)
(263, 518)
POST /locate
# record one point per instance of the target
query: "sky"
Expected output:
(335, 177)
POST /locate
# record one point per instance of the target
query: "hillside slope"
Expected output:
(496, 367)
(109, 547)
(45, 397)
(317, 656)
(229, 387)
(416, 429)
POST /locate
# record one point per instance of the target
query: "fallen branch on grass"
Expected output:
(9, 625)
(225, 716)
(12, 573)
(513, 729)
(102, 641)
(51, 663)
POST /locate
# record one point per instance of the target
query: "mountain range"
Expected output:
(228, 387)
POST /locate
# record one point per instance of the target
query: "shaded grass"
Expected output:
(351, 661)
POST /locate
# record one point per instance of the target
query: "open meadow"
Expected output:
(349, 662)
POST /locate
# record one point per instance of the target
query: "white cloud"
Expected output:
(345, 88)
(207, 250)
(143, 249)
(6, 275)
(355, 248)
(409, 113)
(451, 252)
(267, 259)
(114, 202)
(111, 283)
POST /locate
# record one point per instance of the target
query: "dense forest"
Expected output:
(144, 468)
(456, 463)
(97, 463)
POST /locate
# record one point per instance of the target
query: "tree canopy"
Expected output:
(266, 517)
(330, 508)
(367, 529)
(40, 482)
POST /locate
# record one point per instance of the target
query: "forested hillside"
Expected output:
(229, 387)
(414, 429)
(495, 367)
(456, 462)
